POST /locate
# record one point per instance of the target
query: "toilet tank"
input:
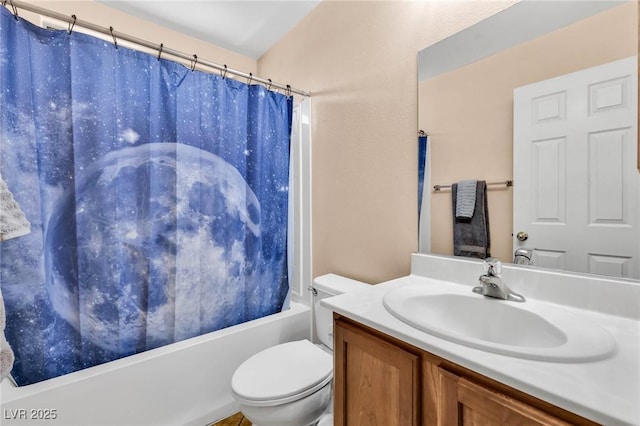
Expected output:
(327, 286)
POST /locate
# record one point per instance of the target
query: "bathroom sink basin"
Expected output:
(532, 330)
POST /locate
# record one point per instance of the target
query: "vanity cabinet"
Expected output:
(464, 402)
(379, 380)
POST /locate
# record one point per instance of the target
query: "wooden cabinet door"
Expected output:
(463, 402)
(376, 382)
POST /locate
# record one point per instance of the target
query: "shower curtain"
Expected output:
(422, 165)
(424, 237)
(157, 196)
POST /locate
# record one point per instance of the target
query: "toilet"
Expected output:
(290, 384)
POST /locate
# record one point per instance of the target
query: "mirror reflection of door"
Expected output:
(579, 131)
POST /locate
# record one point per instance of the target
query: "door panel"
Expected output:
(376, 382)
(576, 187)
(469, 404)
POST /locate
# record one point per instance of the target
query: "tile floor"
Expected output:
(239, 420)
(236, 420)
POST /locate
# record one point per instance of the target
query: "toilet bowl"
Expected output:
(290, 384)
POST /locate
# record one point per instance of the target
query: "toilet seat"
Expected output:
(282, 374)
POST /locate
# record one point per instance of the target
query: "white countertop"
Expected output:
(606, 391)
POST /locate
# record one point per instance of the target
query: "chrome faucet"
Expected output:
(523, 257)
(491, 283)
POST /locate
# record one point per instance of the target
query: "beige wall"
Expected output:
(99, 14)
(359, 60)
(469, 112)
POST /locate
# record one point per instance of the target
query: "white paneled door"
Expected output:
(576, 185)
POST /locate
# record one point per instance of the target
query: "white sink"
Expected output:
(532, 329)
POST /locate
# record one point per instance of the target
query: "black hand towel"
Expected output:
(471, 236)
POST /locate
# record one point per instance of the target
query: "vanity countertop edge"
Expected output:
(606, 391)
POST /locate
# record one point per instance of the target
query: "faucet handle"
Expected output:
(523, 256)
(492, 266)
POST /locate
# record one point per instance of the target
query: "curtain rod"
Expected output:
(160, 48)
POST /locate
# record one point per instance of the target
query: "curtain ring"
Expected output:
(115, 42)
(270, 83)
(250, 79)
(160, 50)
(194, 62)
(224, 73)
(14, 8)
(288, 92)
(72, 24)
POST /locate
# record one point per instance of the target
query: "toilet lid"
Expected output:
(282, 373)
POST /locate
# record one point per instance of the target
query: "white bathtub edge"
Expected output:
(122, 392)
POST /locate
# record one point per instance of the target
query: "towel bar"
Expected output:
(506, 183)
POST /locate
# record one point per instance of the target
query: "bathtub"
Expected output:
(186, 383)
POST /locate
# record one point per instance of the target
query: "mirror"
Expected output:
(466, 105)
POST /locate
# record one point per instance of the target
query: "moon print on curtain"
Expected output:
(157, 197)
